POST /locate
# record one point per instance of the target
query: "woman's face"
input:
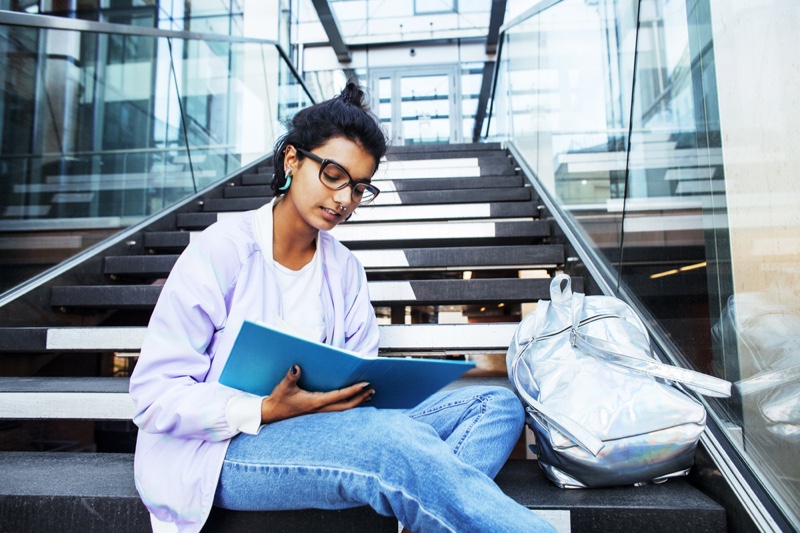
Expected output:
(319, 206)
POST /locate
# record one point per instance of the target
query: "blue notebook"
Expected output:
(261, 356)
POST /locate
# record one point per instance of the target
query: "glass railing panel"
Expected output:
(566, 113)
(85, 159)
(690, 158)
(101, 130)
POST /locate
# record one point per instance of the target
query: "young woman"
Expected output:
(202, 444)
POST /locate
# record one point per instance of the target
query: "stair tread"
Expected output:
(448, 337)
(509, 194)
(522, 256)
(416, 292)
(100, 398)
(408, 234)
(37, 479)
(264, 180)
(410, 213)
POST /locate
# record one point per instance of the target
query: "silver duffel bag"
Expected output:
(602, 408)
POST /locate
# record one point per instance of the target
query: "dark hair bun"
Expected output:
(346, 115)
(353, 95)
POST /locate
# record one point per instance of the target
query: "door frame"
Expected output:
(396, 73)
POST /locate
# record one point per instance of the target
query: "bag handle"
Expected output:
(561, 295)
(616, 354)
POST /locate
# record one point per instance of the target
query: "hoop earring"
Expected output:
(288, 181)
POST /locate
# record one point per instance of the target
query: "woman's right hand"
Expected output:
(287, 400)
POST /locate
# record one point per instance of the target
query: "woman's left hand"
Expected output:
(288, 400)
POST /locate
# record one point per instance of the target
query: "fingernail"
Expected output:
(365, 387)
(294, 370)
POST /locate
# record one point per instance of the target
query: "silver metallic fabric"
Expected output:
(598, 401)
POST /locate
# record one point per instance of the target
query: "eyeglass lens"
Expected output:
(335, 177)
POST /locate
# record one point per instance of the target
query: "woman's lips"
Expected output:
(330, 214)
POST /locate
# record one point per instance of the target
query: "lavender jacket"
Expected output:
(225, 276)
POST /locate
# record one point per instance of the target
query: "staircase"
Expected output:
(455, 252)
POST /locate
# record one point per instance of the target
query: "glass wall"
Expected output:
(666, 130)
(100, 130)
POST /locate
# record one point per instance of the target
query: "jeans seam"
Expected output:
(352, 472)
(480, 398)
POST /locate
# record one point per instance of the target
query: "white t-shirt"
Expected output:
(301, 306)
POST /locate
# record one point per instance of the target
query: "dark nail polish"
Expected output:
(365, 387)
(294, 370)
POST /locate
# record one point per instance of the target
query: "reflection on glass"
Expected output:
(681, 171)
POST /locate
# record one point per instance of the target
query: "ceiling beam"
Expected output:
(328, 20)
(495, 21)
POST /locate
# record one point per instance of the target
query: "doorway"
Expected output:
(418, 106)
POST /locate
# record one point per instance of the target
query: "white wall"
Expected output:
(757, 57)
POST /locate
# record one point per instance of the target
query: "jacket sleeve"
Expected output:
(361, 326)
(168, 385)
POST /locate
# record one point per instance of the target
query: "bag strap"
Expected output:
(616, 354)
(562, 423)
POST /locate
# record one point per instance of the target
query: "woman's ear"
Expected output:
(290, 158)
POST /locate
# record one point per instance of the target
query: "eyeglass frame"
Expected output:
(352, 183)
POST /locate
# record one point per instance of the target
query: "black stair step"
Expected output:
(258, 184)
(417, 184)
(373, 213)
(416, 292)
(486, 164)
(66, 492)
(433, 184)
(476, 256)
(410, 235)
(234, 204)
(455, 292)
(669, 507)
(514, 194)
(196, 221)
(166, 240)
(139, 265)
(247, 191)
(421, 150)
(156, 266)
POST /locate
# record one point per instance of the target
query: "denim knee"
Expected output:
(504, 402)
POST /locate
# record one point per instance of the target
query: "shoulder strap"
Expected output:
(616, 354)
(562, 423)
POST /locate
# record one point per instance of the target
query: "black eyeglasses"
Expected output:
(335, 177)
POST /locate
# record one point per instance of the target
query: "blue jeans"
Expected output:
(431, 466)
